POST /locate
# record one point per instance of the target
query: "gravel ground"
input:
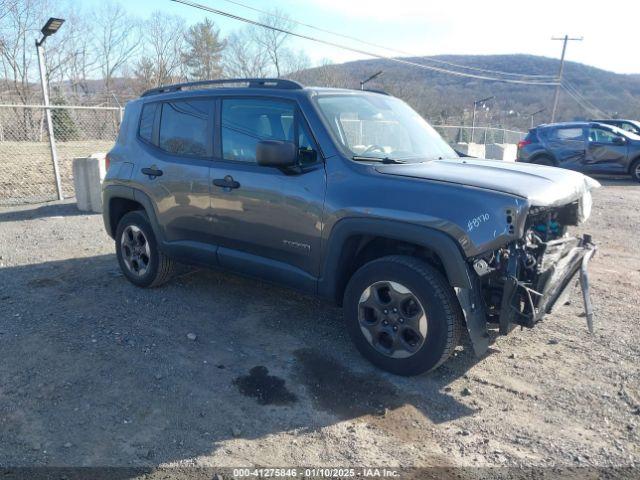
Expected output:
(218, 370)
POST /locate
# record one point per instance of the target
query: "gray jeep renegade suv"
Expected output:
(351, 196)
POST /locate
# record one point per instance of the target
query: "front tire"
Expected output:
(138, 254)
(635, 170)
(402, 315)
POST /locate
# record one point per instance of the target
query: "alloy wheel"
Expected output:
(392, 319)
(135, 249)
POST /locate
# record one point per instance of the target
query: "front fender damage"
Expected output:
(522, 283)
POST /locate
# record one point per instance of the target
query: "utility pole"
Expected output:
(565, 40)
(473, 118)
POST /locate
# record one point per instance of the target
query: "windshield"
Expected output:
(379, 127)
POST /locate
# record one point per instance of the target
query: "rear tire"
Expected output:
(140, 259)
(543, 160)
(635, 170)
(402, 315)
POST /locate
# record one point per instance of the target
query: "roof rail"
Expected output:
(251, 82)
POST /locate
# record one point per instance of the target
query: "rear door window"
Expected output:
(186, 127)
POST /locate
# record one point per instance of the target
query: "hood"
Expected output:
(542, 186)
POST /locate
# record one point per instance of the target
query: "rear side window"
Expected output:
(571, 133)
(147, 118)
(185, 128)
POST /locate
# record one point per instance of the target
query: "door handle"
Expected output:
(226, 182)
(152, 172)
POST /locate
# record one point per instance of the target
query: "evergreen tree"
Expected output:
(204, 51)
(64, 127)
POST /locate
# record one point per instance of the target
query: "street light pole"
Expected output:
(473, 118)
(375, 75)
(51, 27)
(534, 114)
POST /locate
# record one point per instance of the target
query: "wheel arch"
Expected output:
(118, 200)
(632, 163)
(543, 154)
(354, 242)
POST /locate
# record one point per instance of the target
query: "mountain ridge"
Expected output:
(444, 98)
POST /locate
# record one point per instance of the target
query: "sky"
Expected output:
(423, 27)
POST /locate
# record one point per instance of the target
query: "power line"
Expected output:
(572, 89)
(584, 99)
(582, 103)
(377, 45)
(362, 52)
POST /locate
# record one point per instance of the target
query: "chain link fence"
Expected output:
(27, 172)
(483, 135)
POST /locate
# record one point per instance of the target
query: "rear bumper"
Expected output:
(562, 262)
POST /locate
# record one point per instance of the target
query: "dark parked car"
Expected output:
(583, 146)
(632, 126)
(348, 195)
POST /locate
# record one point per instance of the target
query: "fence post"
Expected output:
(47, 109)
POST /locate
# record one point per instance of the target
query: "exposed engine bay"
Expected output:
(522, 281)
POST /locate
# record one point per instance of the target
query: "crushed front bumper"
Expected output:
(562, 261)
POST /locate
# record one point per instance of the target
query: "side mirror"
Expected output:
(275, 153)
(619, 140)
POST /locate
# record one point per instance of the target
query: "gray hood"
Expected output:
(542, 186)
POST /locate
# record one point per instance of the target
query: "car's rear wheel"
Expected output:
(635, 170)
(543, 160)
(402, 315)
(137, 250)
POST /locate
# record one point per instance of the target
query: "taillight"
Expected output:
(523, 143)
(107, 162)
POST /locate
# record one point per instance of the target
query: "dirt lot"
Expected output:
(98, 372)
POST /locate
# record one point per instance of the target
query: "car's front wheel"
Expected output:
(635, 170)
(402, 315)
(137, 250)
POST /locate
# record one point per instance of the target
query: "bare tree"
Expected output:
(164, 44)
(273, 40)
(5, 5)
(243, 58)
(325, 75)
(79, 53)
(18, 29)
(203, 55)
(295, 61)
(116, 41)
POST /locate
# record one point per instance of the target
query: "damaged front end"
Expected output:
(522, 281)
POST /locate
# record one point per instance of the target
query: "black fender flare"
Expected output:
(442, 244)
(110, 192)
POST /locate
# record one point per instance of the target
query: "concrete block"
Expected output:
(472, 149)
(88, 173)
(502, 151)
